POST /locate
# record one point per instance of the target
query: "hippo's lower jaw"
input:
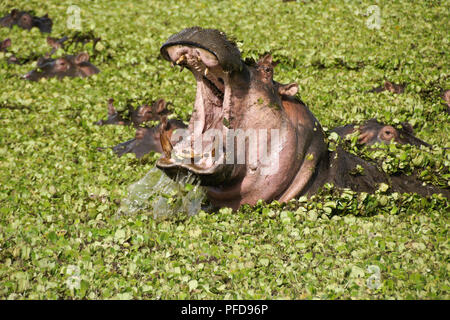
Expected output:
(211, 112)
(213, 175)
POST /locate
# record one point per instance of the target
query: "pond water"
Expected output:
(159, 194)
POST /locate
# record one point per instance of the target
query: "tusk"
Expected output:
(185, 154)
(181, 59)
(206, 72)
(216, 147)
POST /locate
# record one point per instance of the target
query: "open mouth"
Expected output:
(201, 151)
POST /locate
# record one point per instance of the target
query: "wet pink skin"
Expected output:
(252, 100)
(303, 135)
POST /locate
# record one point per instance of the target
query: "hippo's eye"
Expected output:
(25, 19)
(388, 133)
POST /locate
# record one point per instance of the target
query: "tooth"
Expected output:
(189, 155)
(181, 59)
(215, 147)
(206, 72)
(172, 64)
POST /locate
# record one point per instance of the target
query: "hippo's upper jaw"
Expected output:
(212, 63)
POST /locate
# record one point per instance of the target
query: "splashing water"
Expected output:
(163, 196)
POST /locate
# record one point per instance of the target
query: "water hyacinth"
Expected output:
(157, 193)
(61, 236)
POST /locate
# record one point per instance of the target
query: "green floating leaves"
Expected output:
(59, 195)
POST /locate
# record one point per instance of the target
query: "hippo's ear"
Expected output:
(407, 127)
(389, 86)
(41, 61)
(111, 109)
(288, 89)
(14, 13)
(6, 43)
(50, 41)
(160, 105)
(82, 57)
(267, 60)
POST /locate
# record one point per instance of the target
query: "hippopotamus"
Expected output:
(4, 45)
(81, 38)
(251, 138)
(67, 66)
(136, 116)
(114, 116)
(391, 87)
(55, 44)
(26, 20)
(149, 139)
(372, 132)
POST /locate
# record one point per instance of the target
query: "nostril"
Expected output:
(221, 80)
